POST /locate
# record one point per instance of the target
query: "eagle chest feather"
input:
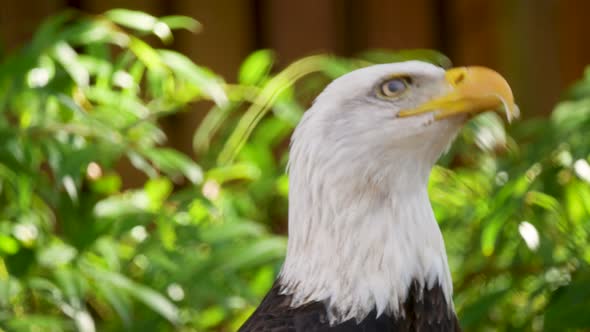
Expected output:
(423, 310)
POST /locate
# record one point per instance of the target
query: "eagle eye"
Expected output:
(394, 87)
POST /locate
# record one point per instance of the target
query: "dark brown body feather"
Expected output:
(425, 310)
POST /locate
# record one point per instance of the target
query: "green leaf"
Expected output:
(39, 322)
(181, 22)
(158, 191)
(545, 201)
(255, 254)
(477, 311)
(20, 263)
(567, 304)
(56, 254)
(108, 184)
(264, 100)
(144, 22)
(175, 163)
(211, 317)
(239, 171)
(208, 127)
(263, 280)
(488, 132)
(283, 185)
(569, 116)
(121, 205)
(132, 19)
(167, 233)
(72, 283)
(8, 245)
(492, 228)
(335, 67)
(47, 32)
(84, 321)
(228, 231)
(386, 56)
(41, 75)
(68, 58)
(200, 77)
(146, 295)
(45, 286)
(94, 32)
(142, 164)
(256, 67)
(120, 303)
(198, 210)
(146, 54)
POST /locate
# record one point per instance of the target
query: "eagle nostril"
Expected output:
(459, 78)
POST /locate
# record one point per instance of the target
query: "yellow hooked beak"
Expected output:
(473, 90)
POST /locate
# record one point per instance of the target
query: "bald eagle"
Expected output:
(365, 252)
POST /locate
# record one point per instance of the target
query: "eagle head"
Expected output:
(361, 228)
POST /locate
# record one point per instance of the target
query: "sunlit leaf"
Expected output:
(142, 164)
(208, 127)
(211, 317)
(108, 184)
(56, 254)
(118, 206)
(167, 233)
(132, 19)
(283, 185)
(200, 77)
(89, 32)
(545, 201)
(239, 171)
(158, 191)
(84, 321)
(270, 92)
(256, 67)
(8, 245)
(181, 22)
(198, 210)
(68, 58)
(146, 54)
(174, 163)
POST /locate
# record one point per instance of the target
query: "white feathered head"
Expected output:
(361, 228)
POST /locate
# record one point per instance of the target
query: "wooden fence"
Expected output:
(541, 46)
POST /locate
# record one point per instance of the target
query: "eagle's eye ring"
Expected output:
(394, 87)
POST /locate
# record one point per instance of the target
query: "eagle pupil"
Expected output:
(394, 87)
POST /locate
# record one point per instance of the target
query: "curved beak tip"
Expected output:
(472, 90)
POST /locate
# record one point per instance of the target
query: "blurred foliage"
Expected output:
(194, 248)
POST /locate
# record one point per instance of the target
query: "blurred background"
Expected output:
(540, 46)
(142, 183)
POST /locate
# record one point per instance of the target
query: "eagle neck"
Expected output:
(357, 243)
